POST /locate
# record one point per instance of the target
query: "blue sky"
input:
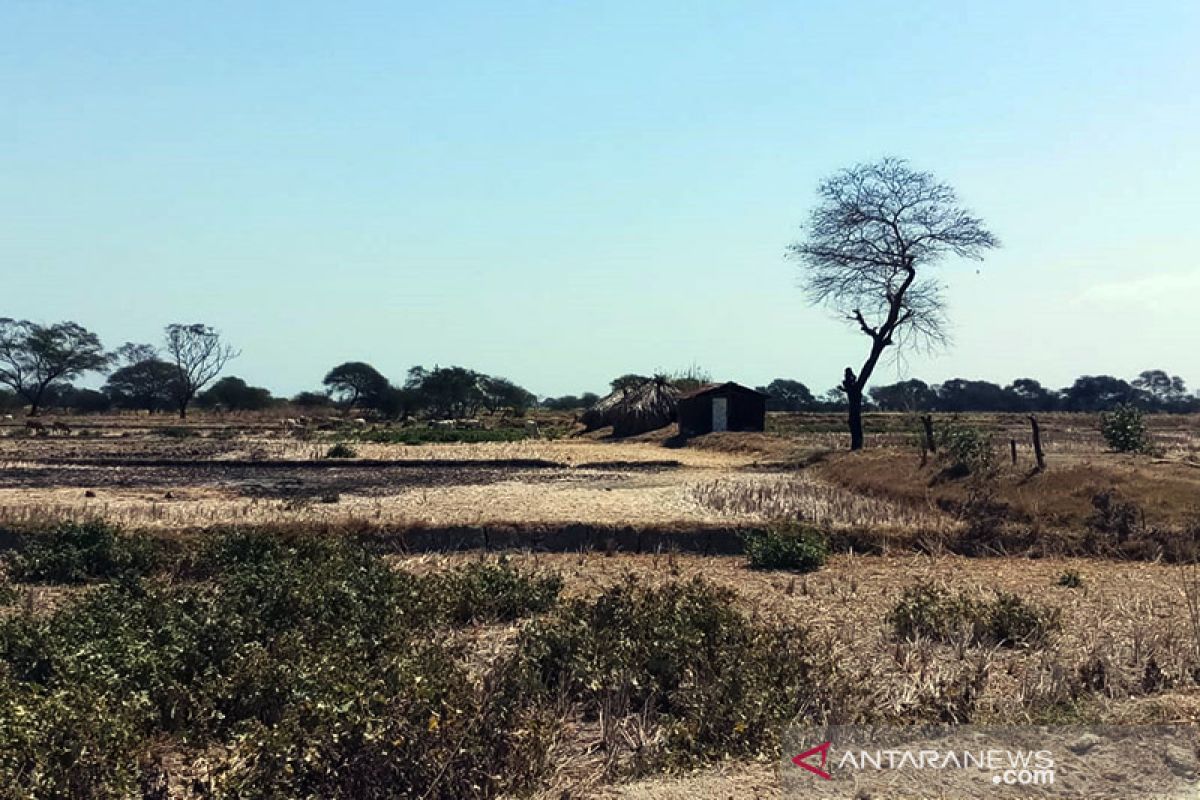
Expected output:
(561, 193)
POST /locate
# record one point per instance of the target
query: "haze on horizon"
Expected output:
(564, 194)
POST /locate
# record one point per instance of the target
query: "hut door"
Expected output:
(720, 414)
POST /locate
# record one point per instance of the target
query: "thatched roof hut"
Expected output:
(633, 410)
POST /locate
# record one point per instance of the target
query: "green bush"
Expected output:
(969, 449)
(341, 450)
(493, 592)
(77, 552)
(714, 682)
(1005, 619)
(800, 549)
(312, 657)
(1069, 579)
(1124, 428)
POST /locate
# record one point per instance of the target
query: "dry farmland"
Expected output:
(1098, 551)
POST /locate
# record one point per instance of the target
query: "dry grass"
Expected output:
(1061, 497)
(807, 498)
(1126, 629)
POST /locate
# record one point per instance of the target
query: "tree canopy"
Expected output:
(33, 357)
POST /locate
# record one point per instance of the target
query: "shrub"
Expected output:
(1005, 620)
(1069, 579)
(77, 552)
(1124, 428)
(1113, 516)
(800, 549)
(310, 658)
(493, 592)
(715, 683)
(341, 450)
(969, 449)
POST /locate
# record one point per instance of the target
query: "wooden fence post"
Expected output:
(1012, 443)
(1037, 443)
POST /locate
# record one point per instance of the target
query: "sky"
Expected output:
(561, 193)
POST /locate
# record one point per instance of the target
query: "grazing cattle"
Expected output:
(531, 428)
(470, 424)
(442, 423)
(60, 427)
(359, 421)
(35, 426)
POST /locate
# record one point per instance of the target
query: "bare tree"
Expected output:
(198, 355)
(874, 234)
(33, 357)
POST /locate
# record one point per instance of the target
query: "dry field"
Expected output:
(1130, 627)
(155, 474)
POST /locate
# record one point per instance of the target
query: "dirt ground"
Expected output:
(157, 474)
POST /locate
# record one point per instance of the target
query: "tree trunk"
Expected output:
(930, 442)
(854, 396)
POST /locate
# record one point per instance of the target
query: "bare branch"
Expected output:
(871, 240)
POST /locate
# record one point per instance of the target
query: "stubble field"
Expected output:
(1115, 575)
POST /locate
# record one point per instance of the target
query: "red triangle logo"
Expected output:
(822, 750)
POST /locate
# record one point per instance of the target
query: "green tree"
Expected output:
(143, 385)
(502, 394)
(33, 357)
(355, 383)
(234, 394)
(784, 394)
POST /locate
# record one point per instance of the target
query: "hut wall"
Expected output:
(746, 410)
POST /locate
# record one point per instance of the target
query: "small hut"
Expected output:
(633, 410)
(722, 407)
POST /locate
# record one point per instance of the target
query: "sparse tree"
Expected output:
(34, 357)
(871, 240)
(198, 355)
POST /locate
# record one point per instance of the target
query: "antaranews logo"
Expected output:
(1012, 767)
(822, 750)
(989, 762)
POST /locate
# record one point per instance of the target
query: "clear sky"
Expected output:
(564, 192)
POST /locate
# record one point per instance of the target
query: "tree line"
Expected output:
(1152, 390)
(38, 364)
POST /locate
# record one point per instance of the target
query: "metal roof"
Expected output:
(710, 388)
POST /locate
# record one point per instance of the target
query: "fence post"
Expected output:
(1037, 443)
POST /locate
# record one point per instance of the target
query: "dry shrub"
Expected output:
(1004, 620)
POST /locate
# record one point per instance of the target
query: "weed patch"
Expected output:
(799, 549)
(1005, 620)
